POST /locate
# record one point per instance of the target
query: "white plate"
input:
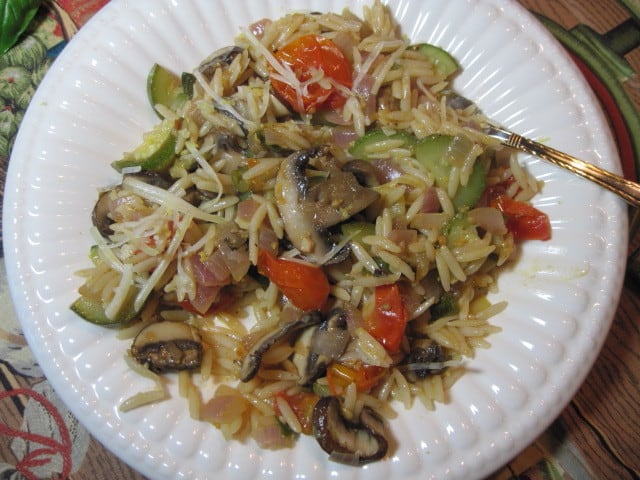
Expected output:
(92, 106)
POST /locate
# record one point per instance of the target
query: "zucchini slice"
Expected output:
(156, 152)
(444, 63)
(370, 145)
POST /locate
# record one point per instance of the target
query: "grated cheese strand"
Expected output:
(167, 258)
(364, 68)
(104, 248)
(121, 293)
(221, 103)
(168, 200)
(334, 251)
(284, 72)
(204, 165)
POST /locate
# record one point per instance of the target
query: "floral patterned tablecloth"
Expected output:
(39, 437)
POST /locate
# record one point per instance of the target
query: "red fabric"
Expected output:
(50, 447)
(81, 10)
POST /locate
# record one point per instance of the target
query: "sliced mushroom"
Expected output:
(364, 172)
(233, 143)
(302, 351)
(102, 215)
(346, 441)
(338, 198)
(326, 343)
(196, 196)
(425, 358)
(253, 358)
(306, 212)
(167, 346)
(457, 101)
(217, 59)
(157, 179)
(296, 211)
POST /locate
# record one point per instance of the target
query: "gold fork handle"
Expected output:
(626, 189)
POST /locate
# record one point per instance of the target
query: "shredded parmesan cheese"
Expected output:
(168, 200)
(204, 165)
(120, 294)
(283, 74)
(167, 258)
(364, 68)
(104, 249)
(221, 103)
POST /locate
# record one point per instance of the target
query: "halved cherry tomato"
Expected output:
(523, 220)
(492, 192)
(365, 377)
(302, 404)
(307, 56)
(306, 286)
(388, 320)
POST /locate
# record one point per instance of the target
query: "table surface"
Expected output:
(596, 436)
(602, 423)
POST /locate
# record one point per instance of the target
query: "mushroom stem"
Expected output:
(290, 192)
(253, 359)
(308, 211)
(327, 343)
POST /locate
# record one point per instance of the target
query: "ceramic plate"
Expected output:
(562, 294)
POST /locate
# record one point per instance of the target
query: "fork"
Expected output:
(626, 189)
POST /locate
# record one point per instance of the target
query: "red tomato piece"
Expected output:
(307, 56)
(523, 220)
(492, 192)
(302, 404)
(388, 320)
(306, 286)
(365, 377)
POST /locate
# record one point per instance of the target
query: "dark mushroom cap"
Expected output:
(166, 346)
(338, 198)
(327, 343)
(220, 58)
(423, 359)
(364, 172)
(346, 441)
(101, 216)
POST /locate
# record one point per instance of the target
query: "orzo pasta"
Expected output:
(313, 227)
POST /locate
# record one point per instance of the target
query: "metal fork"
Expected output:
(626, 189)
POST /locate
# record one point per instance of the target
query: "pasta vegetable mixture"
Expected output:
(313, 225)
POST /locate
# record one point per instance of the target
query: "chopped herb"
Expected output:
(447, 305)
